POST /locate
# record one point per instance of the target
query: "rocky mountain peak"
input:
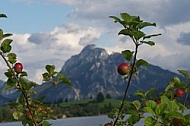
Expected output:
(90, 52)
(93, 70)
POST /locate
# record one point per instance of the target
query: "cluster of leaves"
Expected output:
(28, 108)
(131, 112)
(162, 109)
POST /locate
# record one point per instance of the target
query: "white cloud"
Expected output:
(91, 24)
(53, 47)
(167, 53)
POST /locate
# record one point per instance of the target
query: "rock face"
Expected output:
(93, 70)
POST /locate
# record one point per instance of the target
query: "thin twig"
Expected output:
(18, 84)
(128, 85)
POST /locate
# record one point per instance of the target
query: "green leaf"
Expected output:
(150, 103)
(5, 46)
(176, 80)
(126, 32)
(50, 68)
(184, 73)
(140, 94)
(145, 24)
(149, 36)
(41, 98)
(8, 74)
(132, 119)
(125, 16)
(164, 99)
(23, 73)
(7, 35)
(27, 85)
(1, 34)
(175, 114)
(151, 43)
(149, 121)
(138, 34)
(12, 104)
(3, 15)
(17, 115)
(7, 41)
(160, 109)
(12, 58)
(63, 79)
(116, 19)
(149, 110)
(182, 107)
(46, 77)
(187, 119)
(141, 62)
(11, 82)
(127, 54)
(52, 117)
(46, 123)
(173, 107)
(177, 83)
(137, 104)
(149, 91)
(132, 112)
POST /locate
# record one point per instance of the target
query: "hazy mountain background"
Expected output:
(93, 70)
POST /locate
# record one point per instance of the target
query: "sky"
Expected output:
(51, 31)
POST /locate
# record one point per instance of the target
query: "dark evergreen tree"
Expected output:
(108, 96)
(100, 97)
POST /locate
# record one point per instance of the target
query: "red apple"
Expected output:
(29, 114)
(123, 69)
(158, 102)
(108, 124)
(18, 67)
(176, 122)
(179, 93)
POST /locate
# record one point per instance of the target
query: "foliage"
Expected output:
(100, 97)
(168, 109)
(31, 110)
(84, 107)
(27, 108)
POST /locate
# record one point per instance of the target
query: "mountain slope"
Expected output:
(93, 70)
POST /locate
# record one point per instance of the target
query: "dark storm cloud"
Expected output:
(184, 38)
(173, 12)
(123, 39)
(38, 38)
(163, 12)
(87, 39)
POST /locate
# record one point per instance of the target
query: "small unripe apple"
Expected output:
(18, 67)
(158, 102)
(179, 93)
(123, 69)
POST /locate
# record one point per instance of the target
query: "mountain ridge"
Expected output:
(93, 70)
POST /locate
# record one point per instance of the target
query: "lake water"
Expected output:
(78, 121)
(74, 121)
